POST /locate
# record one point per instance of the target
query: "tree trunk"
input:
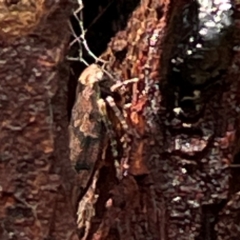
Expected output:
(174, 115)
(36, 177)
(153, 133)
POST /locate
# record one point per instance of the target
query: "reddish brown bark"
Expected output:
(171, 183)
(177, 179)
(35, 173)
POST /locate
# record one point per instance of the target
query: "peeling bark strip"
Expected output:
(34, 200)
(184, 115)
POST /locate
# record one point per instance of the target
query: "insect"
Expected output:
(86, 127)
(90, 128)
(91, 135)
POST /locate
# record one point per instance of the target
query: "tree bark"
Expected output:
(36, 177)
(175, 152)
(153, 135)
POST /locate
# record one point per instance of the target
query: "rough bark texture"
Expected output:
(175, 166)
(35, 174)
(148, 167)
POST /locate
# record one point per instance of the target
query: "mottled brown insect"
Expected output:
(86, 127)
